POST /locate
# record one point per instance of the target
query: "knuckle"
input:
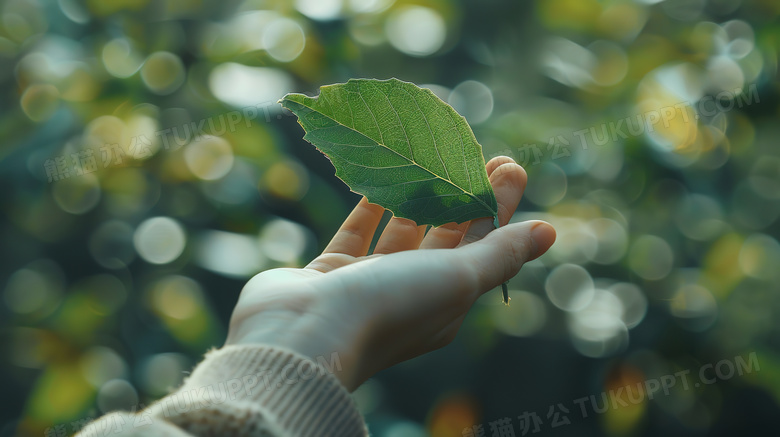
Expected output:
(514, 253)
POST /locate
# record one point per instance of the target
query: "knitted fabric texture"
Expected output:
(246, 391)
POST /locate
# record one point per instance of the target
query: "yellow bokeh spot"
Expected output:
(78, 318)
(178, 302)
(118, 141)
(668, 118)
(721, 265)
(60, 394)
(40, 101)
(286, 180)
(621, 20)
(163, 72)
(80, 86)
(254, 141)
(103, 8)
(569, 14)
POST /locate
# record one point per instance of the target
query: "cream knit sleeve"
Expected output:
(247, 391)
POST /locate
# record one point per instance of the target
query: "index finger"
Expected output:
(355, 234)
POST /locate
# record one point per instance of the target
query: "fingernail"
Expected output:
(542, 237)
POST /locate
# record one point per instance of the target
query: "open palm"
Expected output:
(407, 298)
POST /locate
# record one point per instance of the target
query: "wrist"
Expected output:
(338, 349)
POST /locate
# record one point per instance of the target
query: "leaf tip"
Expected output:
(283, 100)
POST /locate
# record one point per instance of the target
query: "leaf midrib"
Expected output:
(470, 194)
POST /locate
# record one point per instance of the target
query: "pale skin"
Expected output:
(406, 299)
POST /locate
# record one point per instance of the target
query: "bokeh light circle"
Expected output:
(548, 185)
(117, 394)
(209, 157)
(177, 297)
(34, 290)
(369, 6)
(633, 300)
(416, 30)
(77, 194)
(612, 240)
(120, 58)
(283, 241)
(651, 257)
(473, 100)
(162, 372)
(284, 39)
(597, 329)
(101, 364)
(694, 306)
(569, 287)
(760, 256)
(700, 217)
(286, 179)
(244, 86)
(159, 240)
(39, 101)
(229, 254)
(525, 316)
(163, 72)
(321, 10)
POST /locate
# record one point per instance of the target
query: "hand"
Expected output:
(408, 298)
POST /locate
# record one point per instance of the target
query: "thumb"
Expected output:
(499, 256)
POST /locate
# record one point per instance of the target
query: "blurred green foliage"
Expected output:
(147, 172)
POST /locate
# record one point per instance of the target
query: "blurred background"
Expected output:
(147, 172)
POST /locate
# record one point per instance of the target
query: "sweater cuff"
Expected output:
(300, 394)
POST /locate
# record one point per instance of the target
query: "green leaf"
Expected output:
(401, 147)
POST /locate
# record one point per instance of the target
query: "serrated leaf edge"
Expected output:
(468, 193)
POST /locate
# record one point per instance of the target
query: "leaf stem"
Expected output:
(504, 286)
